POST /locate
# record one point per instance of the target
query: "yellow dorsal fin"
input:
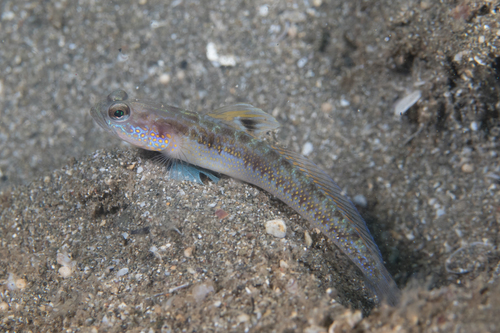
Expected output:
(247, 118)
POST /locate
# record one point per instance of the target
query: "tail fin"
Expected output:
(385, 288)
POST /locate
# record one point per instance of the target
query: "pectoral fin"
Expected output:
(182, 171)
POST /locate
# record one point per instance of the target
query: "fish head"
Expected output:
(138, 123)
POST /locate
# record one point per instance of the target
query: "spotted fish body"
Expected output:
(227, 141)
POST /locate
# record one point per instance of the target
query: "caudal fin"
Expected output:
(385, 288)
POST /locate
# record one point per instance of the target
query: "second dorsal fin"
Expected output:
(331, 189)
(247, 118)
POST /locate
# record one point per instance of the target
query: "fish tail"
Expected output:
(384, 287)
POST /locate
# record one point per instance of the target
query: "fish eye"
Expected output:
(119, 111)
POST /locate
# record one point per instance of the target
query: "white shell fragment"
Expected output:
(67, 265)
(360, 200)
(217, 60)
(212, 52)
(405, 103)
(122, 272)
(277, 228)
(307, 148)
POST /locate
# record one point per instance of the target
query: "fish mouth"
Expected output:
(98, 112)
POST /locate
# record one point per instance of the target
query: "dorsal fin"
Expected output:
(331, 189)
(247, 118)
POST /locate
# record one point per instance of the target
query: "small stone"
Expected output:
(308, 238)
(65, 271)
(8, 16)
(122, 272)
(140, 170)
(164, 79)
(277, 228)
(360, 200)
(188, 252)
(440, 212)
(317, 3)
(426, 4)
(221, 214)
(468, 168)
(227, 60)
(302, 62)
(474, 126)
(326, 107)
(181, 75)
(243, 318)
(4, 307)
(307, 148)
(212, 52)
(283, 264)
(263, 10)
(344, 102)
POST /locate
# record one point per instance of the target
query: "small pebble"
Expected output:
(221, 214)
(344, 102)
(4, 307)
(212, 52)
(65, 271)
(302, 62)
(243, 318)
(263, 10)
(181, 75)
(140, 170)
(360, 200)
(468, 168)
(188, 252)
(8, 16)
(307, 148)
(474, 126)
(122, 272)
(317, 3)
(164, 79)
(326, 107)
(426, 4)
(308, 238)
(277, 228)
